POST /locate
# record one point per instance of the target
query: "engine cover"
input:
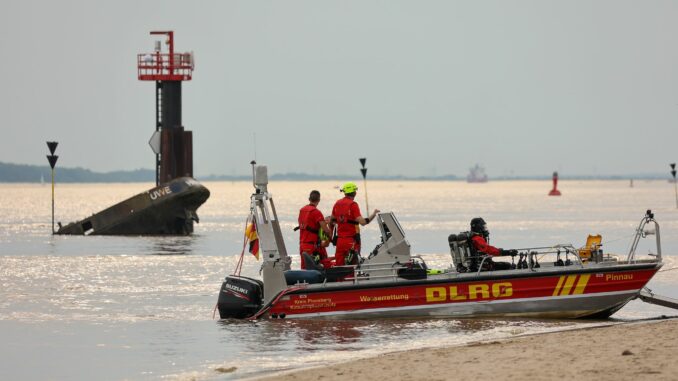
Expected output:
(239, 297)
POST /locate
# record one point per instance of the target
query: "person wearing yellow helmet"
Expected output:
(349, 188)
(348, 219)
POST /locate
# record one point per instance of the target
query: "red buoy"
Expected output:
(554, 191)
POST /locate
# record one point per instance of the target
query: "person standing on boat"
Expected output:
(346, 215)
(312, 228)
(479, 239)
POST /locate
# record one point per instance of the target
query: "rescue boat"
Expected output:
(561, 281)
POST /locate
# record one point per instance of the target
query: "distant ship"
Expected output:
(476, 174)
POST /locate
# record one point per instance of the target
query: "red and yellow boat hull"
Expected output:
(575, 293)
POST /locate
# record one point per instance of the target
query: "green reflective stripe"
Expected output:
(322, 235)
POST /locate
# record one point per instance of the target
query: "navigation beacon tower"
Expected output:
(170, 207)
(173, 146)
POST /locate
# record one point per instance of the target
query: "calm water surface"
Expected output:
(141, 308)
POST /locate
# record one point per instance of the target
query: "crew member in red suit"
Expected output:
(346, 215)
(479, 239)
(312, 227)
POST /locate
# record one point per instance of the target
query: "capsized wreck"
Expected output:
(553, 282)
(170, 207)
(166, 209)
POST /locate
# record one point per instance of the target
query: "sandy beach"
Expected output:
(630, 351)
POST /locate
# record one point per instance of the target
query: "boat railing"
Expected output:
(533, 255)
(643, 232)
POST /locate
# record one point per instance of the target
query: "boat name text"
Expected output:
(618, 277)
(160, 192)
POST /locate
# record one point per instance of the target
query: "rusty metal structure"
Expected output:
(168, 71)
(170, 207)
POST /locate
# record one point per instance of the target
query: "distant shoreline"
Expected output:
(23, 173)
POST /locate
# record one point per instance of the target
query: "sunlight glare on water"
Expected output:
(141, 307)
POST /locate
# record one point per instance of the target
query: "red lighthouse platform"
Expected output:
(173, 144)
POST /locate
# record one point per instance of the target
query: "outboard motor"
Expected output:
(240, 297)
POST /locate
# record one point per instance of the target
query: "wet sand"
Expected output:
(630, 351)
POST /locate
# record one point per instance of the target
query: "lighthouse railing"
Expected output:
(158, 64)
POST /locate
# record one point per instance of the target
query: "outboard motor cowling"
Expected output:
(240, 297)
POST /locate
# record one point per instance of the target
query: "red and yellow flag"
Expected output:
(251, 234)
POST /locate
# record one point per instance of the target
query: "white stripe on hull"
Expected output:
(566, 306)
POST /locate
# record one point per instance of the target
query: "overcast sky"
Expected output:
(418, 87)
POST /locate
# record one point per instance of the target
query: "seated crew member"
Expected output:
(480, 240)
(346, 215)
(313, 227)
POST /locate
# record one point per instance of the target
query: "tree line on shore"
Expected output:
(24, 173)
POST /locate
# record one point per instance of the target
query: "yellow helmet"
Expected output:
(349, 187)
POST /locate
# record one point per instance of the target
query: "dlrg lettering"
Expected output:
(470, 292)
